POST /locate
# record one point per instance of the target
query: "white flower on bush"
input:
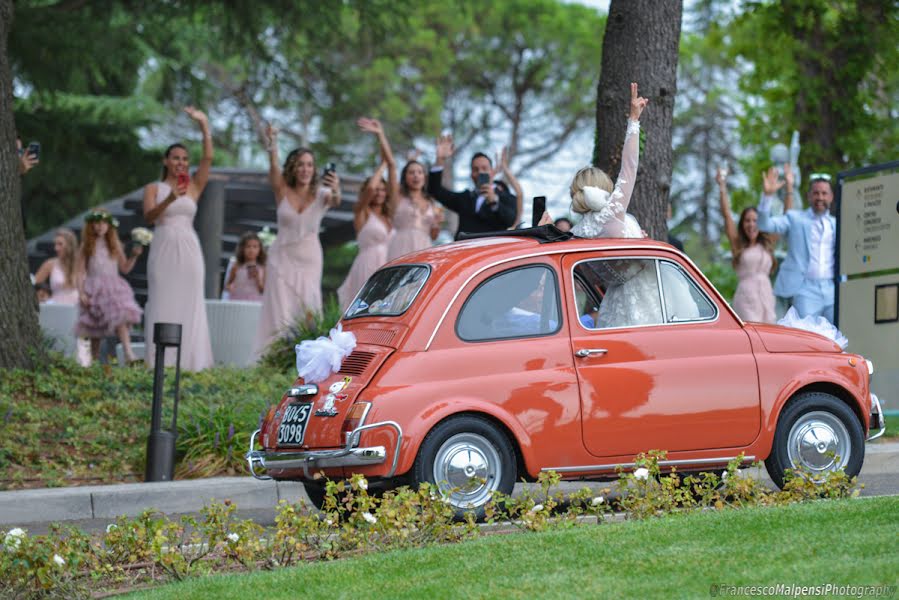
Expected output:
(60, 561)
(142, 236)
(13, 538)
(233, 538)
(724, 476)
(642, 473)
(597, 501)
(369, 517)
(111, 527)
(537, 508)
(329, 522)
(363, 484)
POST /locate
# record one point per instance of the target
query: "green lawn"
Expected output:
(839, 542)
(892, 422)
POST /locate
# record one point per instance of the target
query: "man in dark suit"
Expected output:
(487, 207)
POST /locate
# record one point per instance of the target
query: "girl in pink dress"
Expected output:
(293, 274)
(107, 301)
(247, 278)
(175, 268)
(60, 270)
(753, 256)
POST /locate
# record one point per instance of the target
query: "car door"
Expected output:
(659, 364)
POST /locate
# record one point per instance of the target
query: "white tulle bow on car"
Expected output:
(595, 198)
(318, 359)
(815, 324)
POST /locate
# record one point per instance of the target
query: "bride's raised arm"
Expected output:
(630, 155)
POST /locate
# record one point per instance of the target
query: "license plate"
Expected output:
(293, 425)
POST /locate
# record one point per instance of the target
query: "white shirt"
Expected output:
(821, 244)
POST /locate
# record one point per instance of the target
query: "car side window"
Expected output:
(625, 290)
(684, 301)
(521, 302)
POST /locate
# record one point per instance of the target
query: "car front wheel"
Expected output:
(467, 458)
(816, 433)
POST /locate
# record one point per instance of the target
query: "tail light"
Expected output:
(355, 418)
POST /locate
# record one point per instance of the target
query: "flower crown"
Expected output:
(101, 215)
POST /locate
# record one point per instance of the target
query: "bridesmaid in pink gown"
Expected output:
(371, 218)
(107, 301)
(753, 257)
(175, 268)
(293, 275)
(60, 270)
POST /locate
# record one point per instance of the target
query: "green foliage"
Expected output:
(830, 78)
(65, 424)
(153, 548)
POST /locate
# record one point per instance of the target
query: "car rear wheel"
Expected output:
(816, 433)
(467, 458)
(316, 493)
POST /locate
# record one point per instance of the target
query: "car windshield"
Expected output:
(389, 292)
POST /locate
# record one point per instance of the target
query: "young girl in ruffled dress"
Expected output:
(246, 279)
(107, 301)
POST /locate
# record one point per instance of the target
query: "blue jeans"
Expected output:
(815, 298)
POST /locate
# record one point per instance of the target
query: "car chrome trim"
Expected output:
(664, 309)
(876, 412)
(455, 297)
(662, 463)
(343, 457)
(310, 389)
(585, 352)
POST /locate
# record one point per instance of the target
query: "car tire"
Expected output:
(316, 493)
(813, 431)
(458, 451)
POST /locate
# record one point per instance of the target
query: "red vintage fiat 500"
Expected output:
(489, 360)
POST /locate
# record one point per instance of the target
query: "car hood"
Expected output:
(777, 338)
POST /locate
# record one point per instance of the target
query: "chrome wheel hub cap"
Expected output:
(467, 469)
(819, 442)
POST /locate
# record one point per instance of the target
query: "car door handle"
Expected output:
(585, 352)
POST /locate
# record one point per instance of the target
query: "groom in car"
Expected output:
(487, 207)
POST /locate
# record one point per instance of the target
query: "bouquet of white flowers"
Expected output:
(142, 236)
(267, 236)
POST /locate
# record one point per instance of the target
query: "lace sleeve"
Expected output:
(630, 159)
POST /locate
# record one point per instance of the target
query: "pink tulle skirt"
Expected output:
(111, 304)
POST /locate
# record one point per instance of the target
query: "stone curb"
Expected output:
(130, 499)
(47, 505)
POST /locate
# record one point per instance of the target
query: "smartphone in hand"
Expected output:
(183, 180)
(329, 168)
(34, 149)
(538, 210)
(483, 179)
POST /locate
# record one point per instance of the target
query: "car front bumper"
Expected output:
(876, 420)
(347, 456)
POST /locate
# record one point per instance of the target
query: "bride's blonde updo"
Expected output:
(588, 176)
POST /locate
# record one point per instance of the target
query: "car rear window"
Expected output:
(389, 292)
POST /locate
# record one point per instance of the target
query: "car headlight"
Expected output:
(870, 367)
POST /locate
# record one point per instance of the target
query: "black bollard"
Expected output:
(161, 443)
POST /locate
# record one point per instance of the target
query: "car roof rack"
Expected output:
(543, 234)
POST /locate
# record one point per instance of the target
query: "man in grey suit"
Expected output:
(806, 276)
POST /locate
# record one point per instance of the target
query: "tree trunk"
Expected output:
(640, 44)
(19, 330)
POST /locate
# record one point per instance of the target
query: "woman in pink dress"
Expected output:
(371, 219)
(293, 276)
(753, 255)
(175, 268)
(107, 301)
(60, 270)
(247, 277)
